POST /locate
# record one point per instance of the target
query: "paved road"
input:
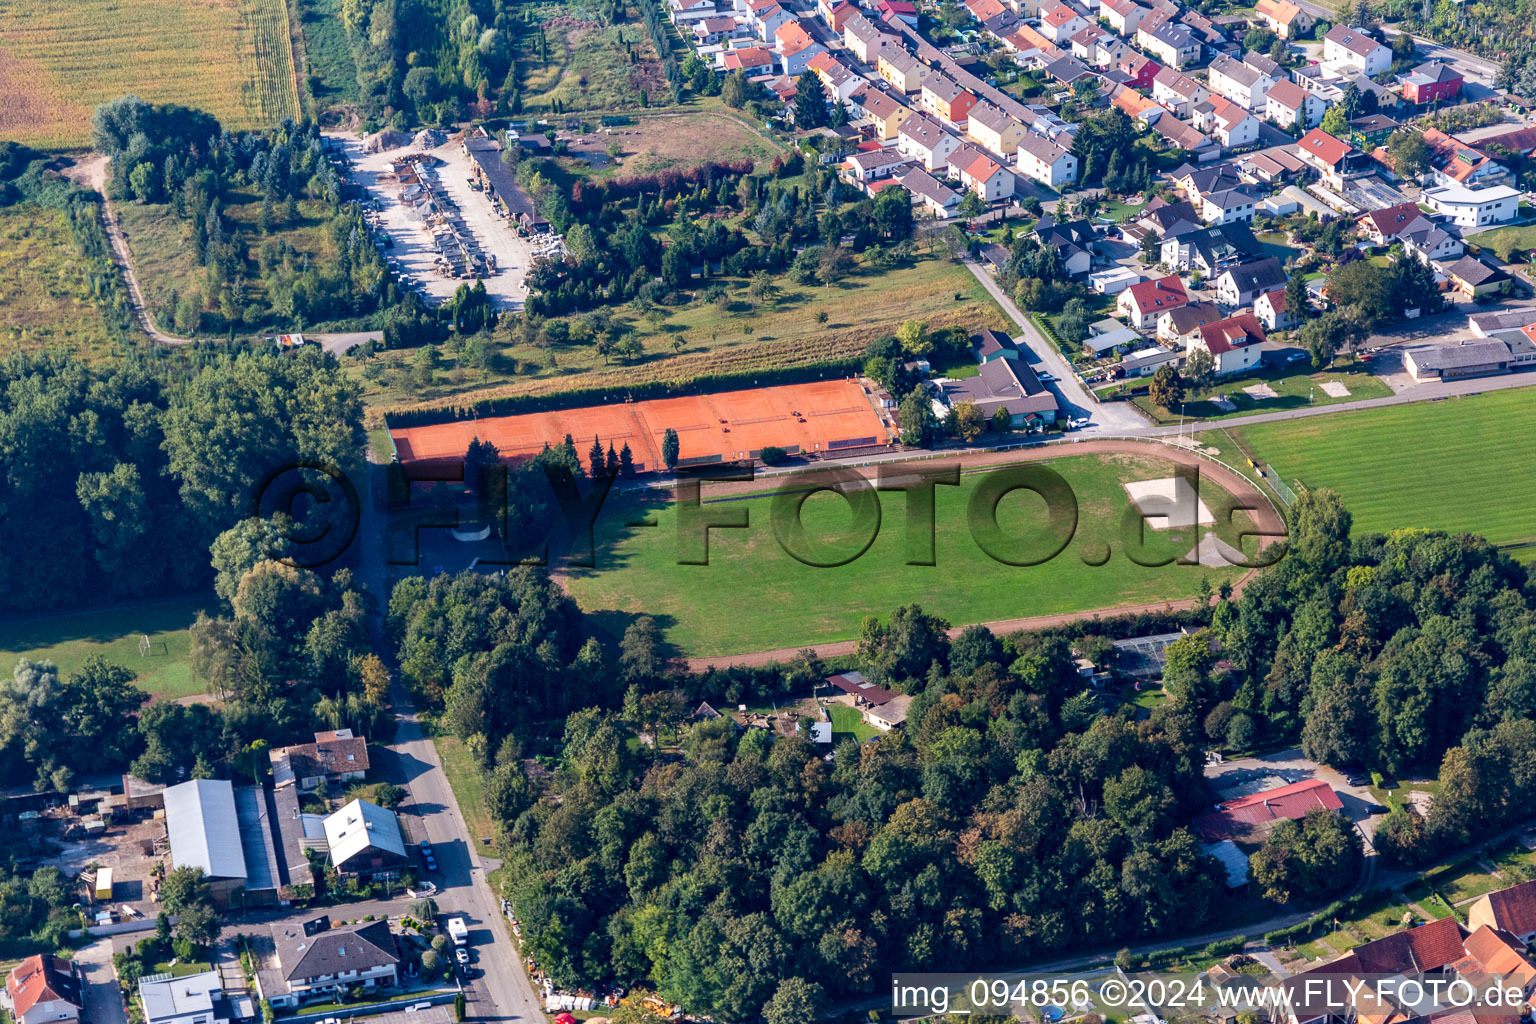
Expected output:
(103, 995)
(1108, 417)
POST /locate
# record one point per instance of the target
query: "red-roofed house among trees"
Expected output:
(1512, 910)
(1257, 811)
(1143, 303)
(44, 988)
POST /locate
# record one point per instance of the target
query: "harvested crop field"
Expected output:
(59, 59)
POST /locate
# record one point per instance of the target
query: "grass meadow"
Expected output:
(59, 59)
(45, 291)
(68, 639)
(1460, 464)
(752, 595)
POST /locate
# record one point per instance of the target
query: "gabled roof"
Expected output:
(747, 57)
(793, 38)
(1181, 133)
(1281, 11)
(1428, 947)
(1292, 801)
(1228, 113)
(990, 342)
(854, 684)
(1260, 62)
(994, 118)
(1394, 219)
(974, 164)
(1176, 36)
(880, 103)
(924, 131)
(1151, 297)
(1514, 909)
(1232, 333)
(900, 59)
(42, 978)
(1177, 82)
(1259, 276)
(1275, 299)
(1042, 149)
(1191, 315)
(203, 829)
(1286, 94)
(944, 87)
(1243, 74)
(353, 947)
(925, 186)
(1495, 952)
(1474, 271)
(1058, 16)
(1353, 40)
(873, 158)
(1319, 145)
(1453, 159)
(1431, 72)
(361, 826)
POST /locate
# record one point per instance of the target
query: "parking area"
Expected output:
(1245, 776)
(413, 253)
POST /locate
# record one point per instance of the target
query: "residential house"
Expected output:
(1239, 82)
(1271, 166)
(191, 999)
(1044, 161)
(836, 13)
(1124, 16)
(1284, 19)
(1185, 136)
(709, 31)
(1140, 71)
(1205, 31)
(1031, 47)
(994, 130)
(1240, 285)
(316, 961)
(1143, 303)
(836, 78)
(364, 840)
(1175, 327)
(1511, 910)
(1067, 70)
(1456, 163)
(922, 139)
(1333, 159)
(865, 166)
(1195, 182)
(1229, 206)
(768, 18)
(1431, 82)
(1178, 92)
(333, 759)
(884, 111)
(1432, 243)
(684, 11)
(943, 98)
(1136, 105)
(863, 37)
(1172, 44)
(1473, 207)
(990, 344)
(1144, 361)
(1230, 122)
(935, 198)
(985, 10)
(1072, 240)
(1235, 345)
(754, 60)
(1370, 131)
(901, 69)
(982, 174)
(1209, 251)
(1472, 277)
(1266, 65)
(795, 47)
(1271, 312)
(1007, 384)
(1061, 23)
(901, 10)
(1167, 219)
(1384, 226)
(44, 988)
(1287, 103)
(1351, 47)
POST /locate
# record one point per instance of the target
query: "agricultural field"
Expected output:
(752, 595)
(59, 59)
(570, 56)
(1456, 465)
(705, 338)
(67, 640)
(45, 290)
(661, 141)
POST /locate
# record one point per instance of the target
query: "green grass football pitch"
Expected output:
(1462, 464)
(753, 596)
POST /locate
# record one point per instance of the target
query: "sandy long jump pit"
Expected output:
(821, 416)
(1169, 503)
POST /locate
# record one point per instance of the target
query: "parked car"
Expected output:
(1044, 375)
(462, 956)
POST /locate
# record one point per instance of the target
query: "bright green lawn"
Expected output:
(1297, 388)
(848, 722)
(1502, 241)
(68, 639)
(753, 596)
(1461, 464)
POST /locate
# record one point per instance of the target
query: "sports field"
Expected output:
(1462, 464)
(59, 59)
(67, 640)
(754, 596)
(815, 416)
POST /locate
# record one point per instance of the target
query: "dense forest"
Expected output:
(1013, 817)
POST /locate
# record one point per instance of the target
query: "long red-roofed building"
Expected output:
(1241, 816)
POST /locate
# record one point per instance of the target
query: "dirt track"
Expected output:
(1268, 520)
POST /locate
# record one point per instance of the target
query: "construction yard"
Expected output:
(425, 205)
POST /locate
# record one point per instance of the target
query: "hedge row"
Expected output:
(1347, 907)
(510, 405)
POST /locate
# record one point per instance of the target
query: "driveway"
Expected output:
(103, 995)
(1108, 418)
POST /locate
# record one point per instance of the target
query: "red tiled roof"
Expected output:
(1156, 296)
(1490, 951)
(1287, 94)
(1060, 16)
(1428, 947)
(38, 979)
(1393, 219)
(747, 57)
(1325, 147)
(1292, 801)
(1223, 336)
(1514, 909)
(855, 684)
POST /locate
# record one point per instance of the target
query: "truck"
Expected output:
(458, 931)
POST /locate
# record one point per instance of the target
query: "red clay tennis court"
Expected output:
(819, 416)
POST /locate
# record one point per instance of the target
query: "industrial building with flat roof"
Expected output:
(209, 828)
